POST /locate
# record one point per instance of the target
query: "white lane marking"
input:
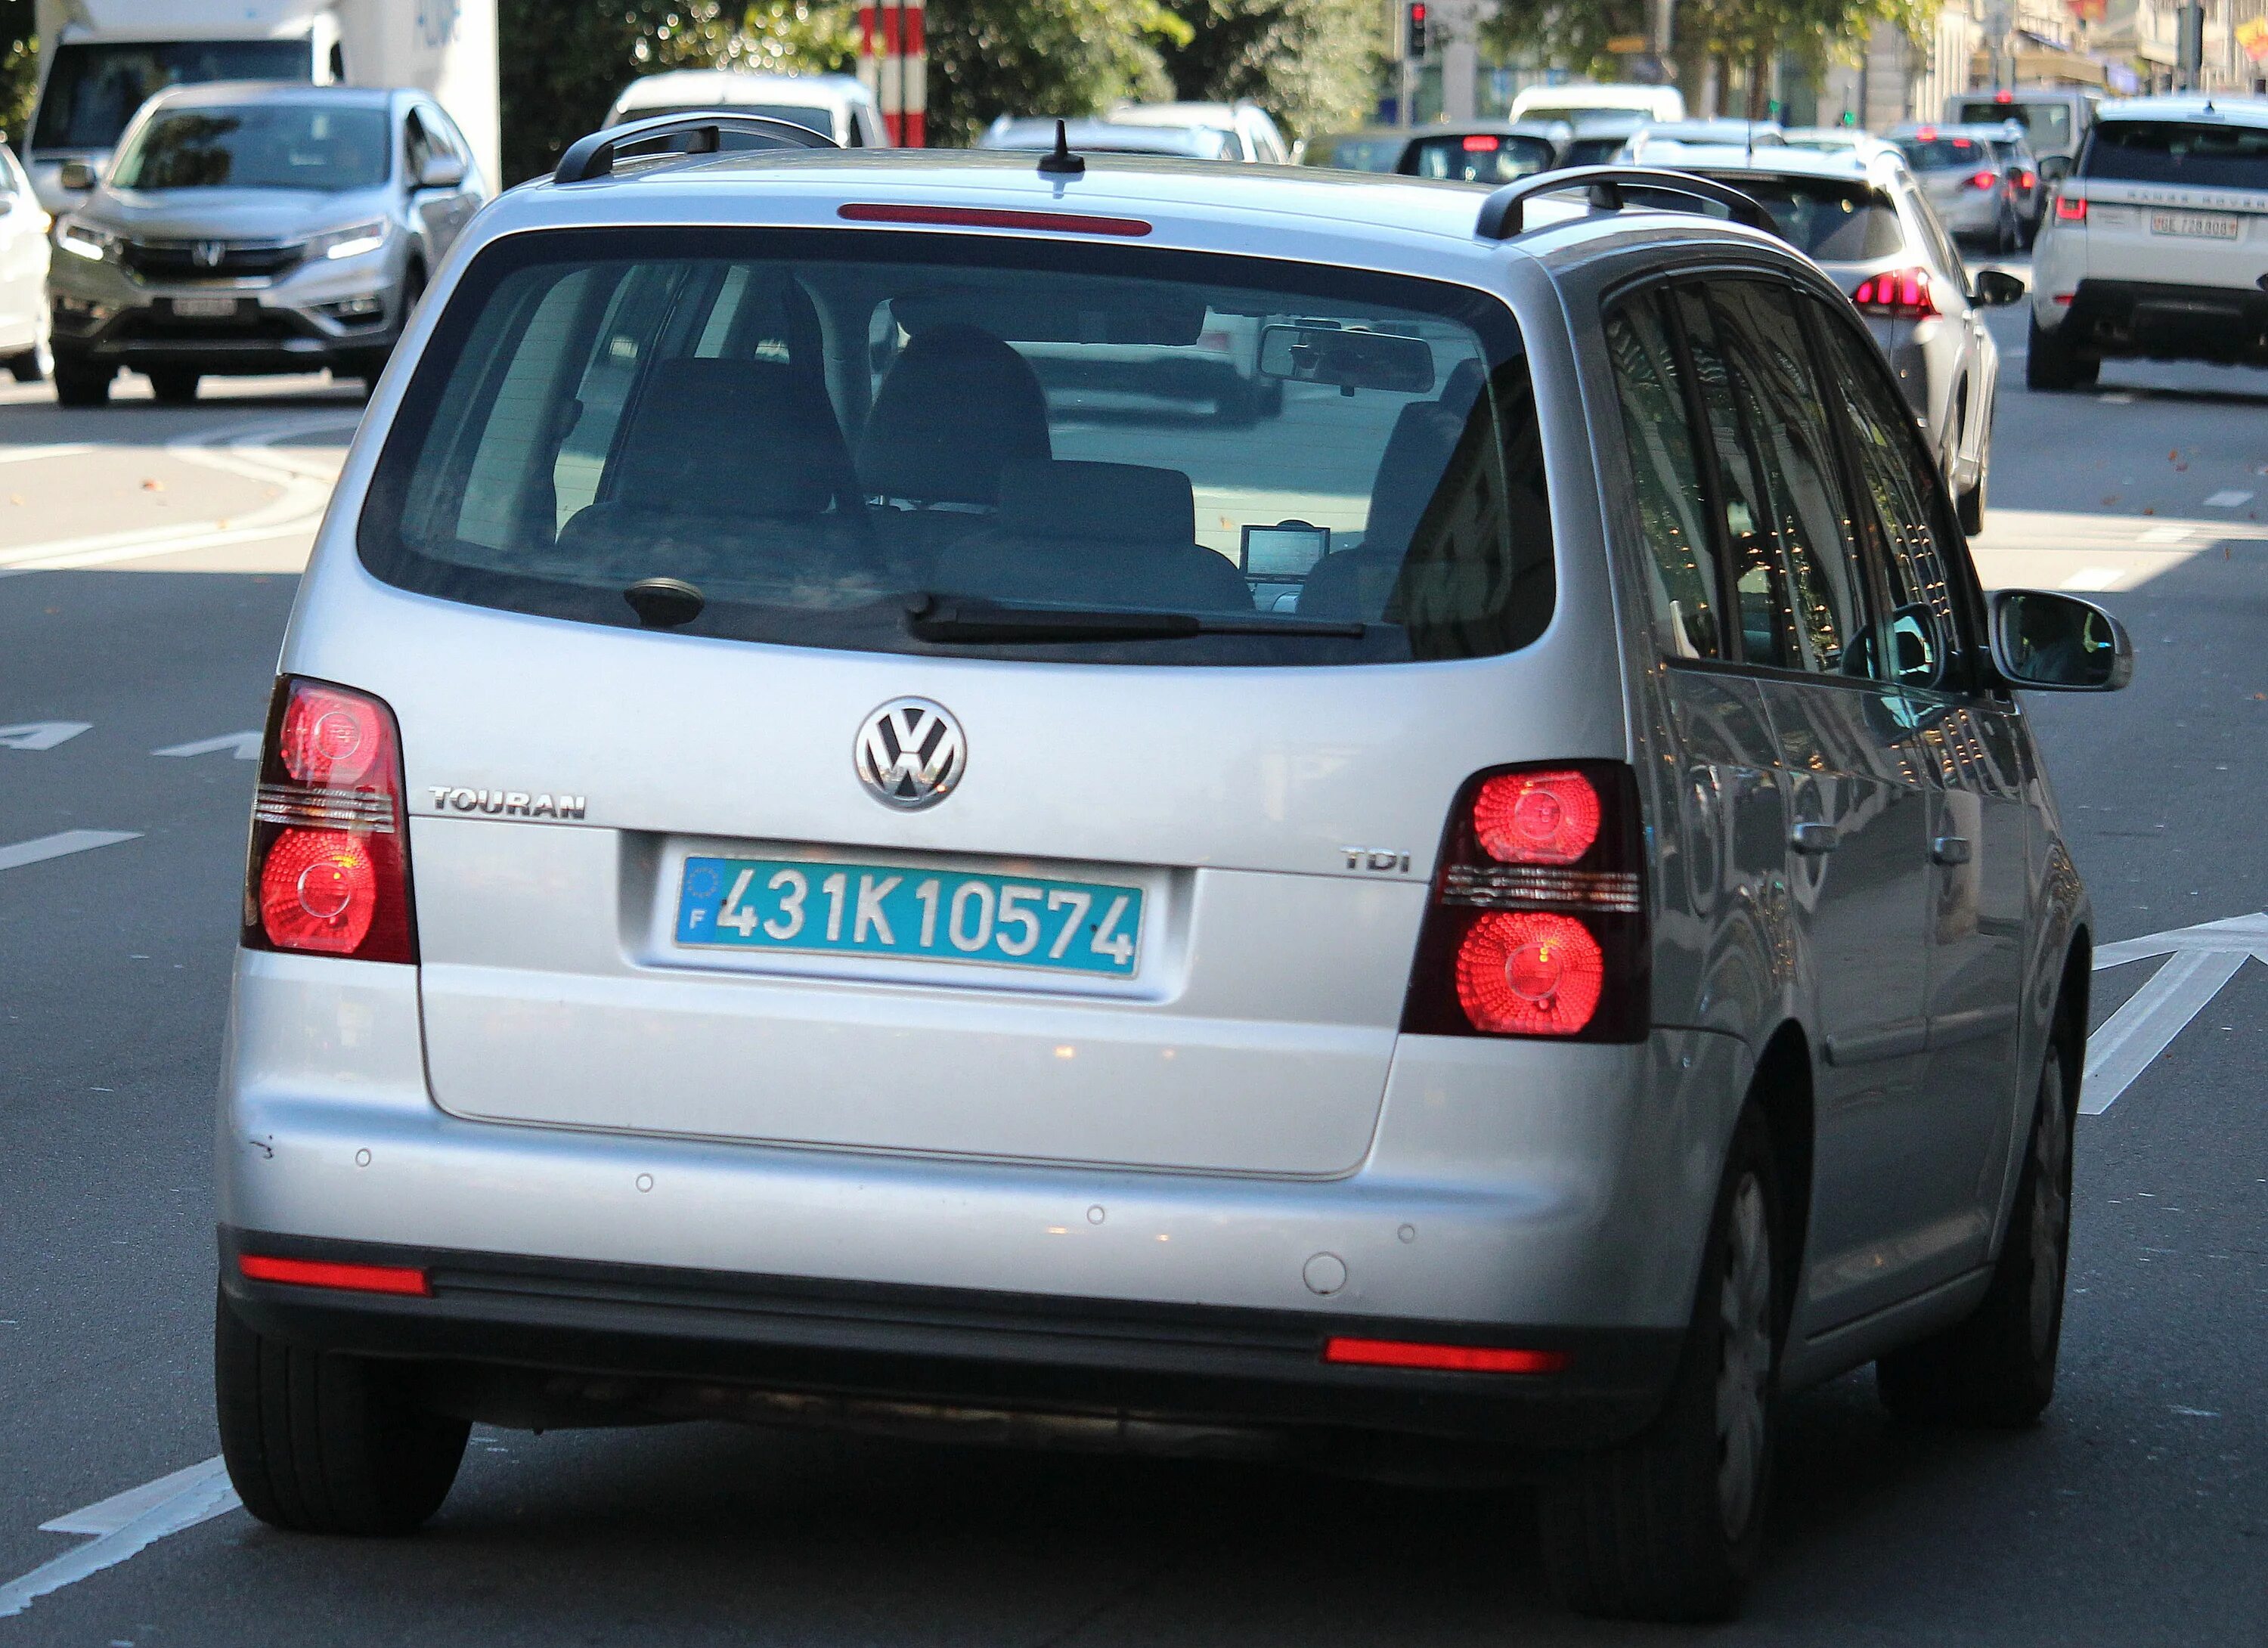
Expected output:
(202, 1493)
(2204, 958)
(58, 846)
(107, 1516)
(243, 450)
(39, 735)
(2230, 499)
(2164, 534)
(244, 746)
(2116, 397)
(34, 455)
(2095, 578)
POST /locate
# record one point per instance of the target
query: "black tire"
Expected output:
(1271, 397)
(174, 386)
(321, 1443)
(79, 384)
(1669, 1527)
(2051, 364)
(1999, 1368)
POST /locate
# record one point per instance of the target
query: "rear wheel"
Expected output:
(1999, 1368)
(79, 384)
(322, 1442)
(2051, 364)
(1670, 1526)
(175, 386)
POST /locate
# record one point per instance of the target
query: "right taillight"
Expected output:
(330, 871)
(1537, 925)
(1900, 294)
(2070, 208)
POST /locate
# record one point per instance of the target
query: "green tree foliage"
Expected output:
(992, 57)
(1313, 64)
(19, 69)
(564, 60)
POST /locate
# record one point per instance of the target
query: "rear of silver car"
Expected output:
(1017, 933)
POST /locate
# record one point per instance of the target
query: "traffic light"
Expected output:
(1414, 33)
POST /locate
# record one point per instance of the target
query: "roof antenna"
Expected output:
(1060, 161)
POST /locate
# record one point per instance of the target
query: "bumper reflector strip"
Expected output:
(353, 1278)
(1446, 1358)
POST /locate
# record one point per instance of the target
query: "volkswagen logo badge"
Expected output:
(911, 753)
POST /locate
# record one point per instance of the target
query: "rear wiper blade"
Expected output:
(962, 618)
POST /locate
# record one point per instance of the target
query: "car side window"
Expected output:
(1783, 403)
(1902, 490)
(1739, 507)
(1673, 508)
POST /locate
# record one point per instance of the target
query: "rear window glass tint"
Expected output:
(822, 430)
(1943, 154)
(2048, 123)
(1483, 157)
(1836, 223)
(2196, 152)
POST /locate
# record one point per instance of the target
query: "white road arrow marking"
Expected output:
(125, 1525)
(39, 735)
(246, 746)
(2204, 958)
(61, 845)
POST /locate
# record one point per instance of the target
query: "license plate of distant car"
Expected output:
(204, 308)
(890, 911)
(2197, 226)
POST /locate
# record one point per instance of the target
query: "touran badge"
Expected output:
(911, 753)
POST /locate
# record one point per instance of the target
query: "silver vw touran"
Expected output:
(805, 871)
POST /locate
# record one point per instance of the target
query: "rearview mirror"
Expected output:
(1348, 359)
(76, 176)
(441, 172)
(1996, 288)
(2059, 644)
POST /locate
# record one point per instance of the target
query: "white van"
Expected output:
(1584, 97)
(2055, 119)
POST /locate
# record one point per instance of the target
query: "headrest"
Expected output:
(1409, 472)
(1098, 502)
(956, 405)
(729, 437)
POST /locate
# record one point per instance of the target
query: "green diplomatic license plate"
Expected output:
(871, 909)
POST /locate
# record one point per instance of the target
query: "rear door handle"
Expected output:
(1950, 849)
(1815, 838)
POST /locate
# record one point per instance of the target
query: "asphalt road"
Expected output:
(2136, 1514)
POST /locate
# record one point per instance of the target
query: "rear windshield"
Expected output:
(2196, 152)
(1479, 158)
(261, 145)
(94, 90)
(1833, 221)
(2049, 123)
(1943, 154)
(921, 442)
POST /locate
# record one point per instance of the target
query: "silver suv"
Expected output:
(1506, 917)
(246, 228)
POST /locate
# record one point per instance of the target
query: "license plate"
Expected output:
(2197, 226)
(204, 308)
(933, 915)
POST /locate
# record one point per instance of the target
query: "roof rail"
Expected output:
(1501, 213)
(593, 157)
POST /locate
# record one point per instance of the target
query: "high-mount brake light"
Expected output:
(1480, 142)
(2071, 210)
(322, 1273)
(1445, 1359)
(990, 218)
(1538, 923)
(330, 871)
(1899, 294)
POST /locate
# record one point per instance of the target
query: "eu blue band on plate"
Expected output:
(891, 910)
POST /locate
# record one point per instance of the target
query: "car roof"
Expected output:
(728, 86)
(1309, 213)
(1845, 165)
(1555, 130)
(1604, 122)
(1102, 136)
(2243, 111)
(1222, 114)
(214, 93)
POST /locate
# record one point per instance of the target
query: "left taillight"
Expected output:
(1537, 925)
(329, 867)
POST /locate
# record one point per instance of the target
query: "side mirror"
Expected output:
(441, 172)
(2055, 168)
(2059, 644)
(76, 176)
(1996, 288)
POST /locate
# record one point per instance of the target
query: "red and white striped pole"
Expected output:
(894, 63)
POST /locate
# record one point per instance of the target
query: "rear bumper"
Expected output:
(2169, 323)
(533, 1342)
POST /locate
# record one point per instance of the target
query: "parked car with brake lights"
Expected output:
(256, 228)
(1968, 183)
(1359, 943)
(2156, 245)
